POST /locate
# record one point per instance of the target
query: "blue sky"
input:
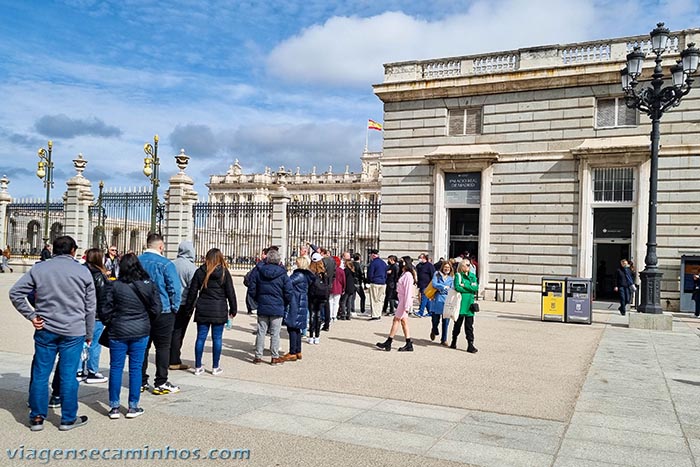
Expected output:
(269, 83)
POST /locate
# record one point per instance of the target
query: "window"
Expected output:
(614, 113)
(613, 184)
(464, 121)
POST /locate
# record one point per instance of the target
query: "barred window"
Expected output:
(613, 184)
(614, 112)
(464, 121)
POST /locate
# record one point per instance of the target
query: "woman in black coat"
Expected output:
(347, 301)
(130, 304)
(212, 290)
(391, 298)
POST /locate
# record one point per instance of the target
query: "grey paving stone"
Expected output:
(292, 424)
(627, 438)
(403, 423)
(487, 456)
(625, 455)
(549, 427)
(313, 410)
(643, 409)
(573, 462)
(449, 414)
(379, 438)
(506, 436)
(627, 423)
(211, 404)
(342, 400)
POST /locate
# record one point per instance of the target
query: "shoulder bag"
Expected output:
(430, 291)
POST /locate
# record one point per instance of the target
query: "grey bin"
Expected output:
(579, 300)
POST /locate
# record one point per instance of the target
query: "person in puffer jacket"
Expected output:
(131, 302)
(272, 290)
(212, 290)
(297, 315)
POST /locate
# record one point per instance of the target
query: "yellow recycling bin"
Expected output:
(553, 298)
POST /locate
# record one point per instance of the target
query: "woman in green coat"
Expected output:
(467, 284)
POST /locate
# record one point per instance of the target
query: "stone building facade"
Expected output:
(236, 186)
(531, 160)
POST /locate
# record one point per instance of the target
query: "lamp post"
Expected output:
(150, 170)
(654, 100)
(45, 172)
(100, 219)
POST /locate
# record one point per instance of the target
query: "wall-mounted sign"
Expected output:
(463, 181)
(463, 188)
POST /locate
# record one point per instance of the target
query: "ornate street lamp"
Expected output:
(45, 172)
(150, 170)
(654, 100)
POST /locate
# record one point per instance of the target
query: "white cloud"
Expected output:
(351, 50)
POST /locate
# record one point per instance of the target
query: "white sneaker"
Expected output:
(353, 314)
(310, 340)
(317, 340)
(199, 371)
(217, 371)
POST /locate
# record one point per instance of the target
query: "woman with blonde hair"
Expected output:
(467, 284)
(212, 290)
(406, 289)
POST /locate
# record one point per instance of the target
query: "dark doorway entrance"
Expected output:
(464, 232)
(612, 238)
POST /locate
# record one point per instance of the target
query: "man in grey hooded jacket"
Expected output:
(185, 267)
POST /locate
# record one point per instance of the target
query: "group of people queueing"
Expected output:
(445, 278)
(129, 303)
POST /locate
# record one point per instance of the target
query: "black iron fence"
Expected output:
(239, 230)
(123, 219)
(25, 226)
(338, 226)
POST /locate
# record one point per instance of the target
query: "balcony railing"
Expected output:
(531, 59)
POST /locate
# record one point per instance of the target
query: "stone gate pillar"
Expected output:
(5, 199)
(179, 200)
(76, 207)
(280, 227)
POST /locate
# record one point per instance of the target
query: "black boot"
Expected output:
(386, 345)
(471, 348)
(408, 347)
(453, 345)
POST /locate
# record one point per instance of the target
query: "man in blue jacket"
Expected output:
(272, 289)
(63, 317)
(163, 273)
(376, 276)
(425, 272)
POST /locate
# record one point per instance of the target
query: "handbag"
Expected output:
(430, 291)
(474, 307)
(104, 337)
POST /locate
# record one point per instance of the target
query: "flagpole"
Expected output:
(366, 137)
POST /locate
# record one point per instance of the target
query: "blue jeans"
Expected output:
(46, 346)
(93, 362)
(424, 302)
(118, 350)
(445, 326)
(624, 297)
(217, 331)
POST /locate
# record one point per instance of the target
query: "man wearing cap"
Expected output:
(376, 276)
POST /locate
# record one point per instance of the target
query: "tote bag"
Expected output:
(453, 303)
(430, 291)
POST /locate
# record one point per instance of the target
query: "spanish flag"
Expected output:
(372, 125)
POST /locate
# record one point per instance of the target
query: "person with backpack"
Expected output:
(319, 291)
(297, 314)
(215, 297)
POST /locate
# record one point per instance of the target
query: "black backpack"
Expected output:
(319, 289)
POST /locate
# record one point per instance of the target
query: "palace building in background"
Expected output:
(235, 186)
(530, 159)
